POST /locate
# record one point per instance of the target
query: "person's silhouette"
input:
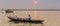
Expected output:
(29, 17)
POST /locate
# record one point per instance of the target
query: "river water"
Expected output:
(51, 18)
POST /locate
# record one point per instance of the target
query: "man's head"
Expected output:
(29, 15)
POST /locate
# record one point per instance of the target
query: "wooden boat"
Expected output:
(15, 19)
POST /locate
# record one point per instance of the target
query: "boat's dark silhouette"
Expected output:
(15, 19)
(8, 11)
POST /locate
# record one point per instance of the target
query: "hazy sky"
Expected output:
(43, 4)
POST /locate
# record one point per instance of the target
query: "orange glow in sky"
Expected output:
(35, 2)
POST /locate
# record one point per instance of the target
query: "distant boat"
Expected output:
(15, 19)
(8, 11)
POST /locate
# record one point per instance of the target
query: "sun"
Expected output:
(35, 12)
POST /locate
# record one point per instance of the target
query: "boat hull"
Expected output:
(29, 21)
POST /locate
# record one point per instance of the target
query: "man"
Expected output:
(29, 17)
